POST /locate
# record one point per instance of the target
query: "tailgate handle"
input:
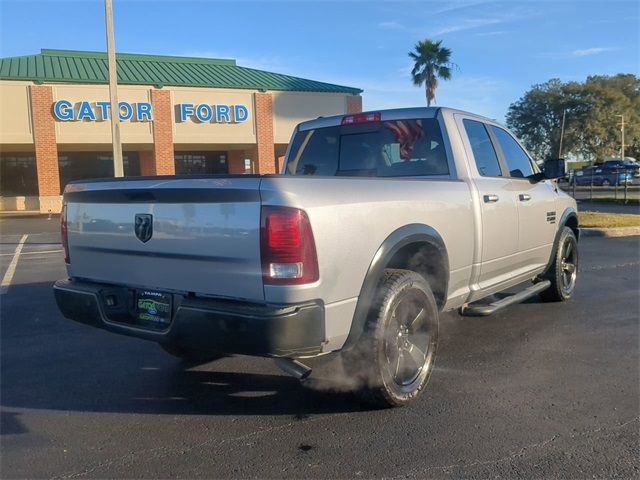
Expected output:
(137, 196)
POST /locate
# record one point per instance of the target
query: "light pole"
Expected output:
(118, 168)
(622, 130)
(564, 112)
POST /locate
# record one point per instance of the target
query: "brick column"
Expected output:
(354, 104)
(46, 148)
(163, 162)
(265, 153)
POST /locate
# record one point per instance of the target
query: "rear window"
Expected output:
(395, 148)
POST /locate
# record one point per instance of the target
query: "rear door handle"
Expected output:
(491, 198)
(524, 197)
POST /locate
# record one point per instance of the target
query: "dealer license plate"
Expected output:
(153, 309)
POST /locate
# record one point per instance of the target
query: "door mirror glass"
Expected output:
(556, 168)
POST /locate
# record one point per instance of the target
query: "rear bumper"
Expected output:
(202, 324)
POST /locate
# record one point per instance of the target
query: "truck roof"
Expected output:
(389, 114)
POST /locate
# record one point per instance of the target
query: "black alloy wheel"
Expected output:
(393, 359)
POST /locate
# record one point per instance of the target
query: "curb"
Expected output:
(26, 214)
(610, 232)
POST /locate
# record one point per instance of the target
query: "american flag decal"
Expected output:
(407, 133)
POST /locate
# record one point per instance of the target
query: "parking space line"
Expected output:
(8, 275)
(32, 253)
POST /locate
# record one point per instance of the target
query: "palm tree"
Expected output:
(431, 63)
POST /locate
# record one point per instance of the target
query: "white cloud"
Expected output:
(455, 23)
(467, 24)
(591, 51)
(392, 25)
(491, 33)
(497, 18)
(585, 52)
(458, 5)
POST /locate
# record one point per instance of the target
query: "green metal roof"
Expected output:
(70, 66)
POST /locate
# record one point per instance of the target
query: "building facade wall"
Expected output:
(291, 108)
(15, 114)
(257, 145)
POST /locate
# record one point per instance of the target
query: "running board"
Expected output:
(484, 310)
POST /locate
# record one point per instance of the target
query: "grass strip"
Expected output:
(607, 220)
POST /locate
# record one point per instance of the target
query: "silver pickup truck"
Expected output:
(379, 222)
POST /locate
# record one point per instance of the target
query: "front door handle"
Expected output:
(491, 198)
(524, 197)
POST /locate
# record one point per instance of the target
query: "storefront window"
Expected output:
(198, 163)
(84, 165)
(18, 175)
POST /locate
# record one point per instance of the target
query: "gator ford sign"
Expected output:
(66, 111)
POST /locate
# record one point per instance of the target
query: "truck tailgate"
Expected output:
(205, 234)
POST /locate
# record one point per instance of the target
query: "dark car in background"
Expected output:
(630, 166)
(604, 175)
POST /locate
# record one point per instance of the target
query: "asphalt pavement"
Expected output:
(535, 391)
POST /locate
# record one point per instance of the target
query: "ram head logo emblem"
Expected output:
(144, 226)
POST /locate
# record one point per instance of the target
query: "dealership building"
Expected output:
(179, 115)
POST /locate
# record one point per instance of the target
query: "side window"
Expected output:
(483, 151)
(517, 159)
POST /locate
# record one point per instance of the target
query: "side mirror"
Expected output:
(556, 168)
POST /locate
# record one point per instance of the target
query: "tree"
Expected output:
(431, 62)
(592, 130)
(609, 97)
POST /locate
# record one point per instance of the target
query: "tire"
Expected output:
(189, 355)
(563, 271)
(394, 357)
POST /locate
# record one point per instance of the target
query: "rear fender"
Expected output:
(400, 238)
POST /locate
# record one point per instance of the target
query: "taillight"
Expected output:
(361, 118)
(287, 247)
(63, 233)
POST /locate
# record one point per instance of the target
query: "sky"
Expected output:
(500, 49)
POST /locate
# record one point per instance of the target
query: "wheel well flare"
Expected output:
(427, 260)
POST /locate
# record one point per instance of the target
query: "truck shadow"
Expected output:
(52, 363)
(49, 362)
